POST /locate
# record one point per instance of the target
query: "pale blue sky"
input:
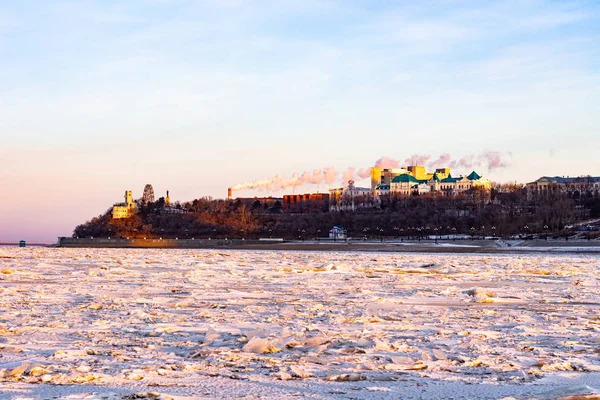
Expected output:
(97, 97)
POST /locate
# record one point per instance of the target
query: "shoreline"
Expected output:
(441, 246)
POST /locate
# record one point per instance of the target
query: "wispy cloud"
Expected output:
(296, 77)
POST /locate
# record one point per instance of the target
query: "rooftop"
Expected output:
(473, 176)
(578, 179)
(405, 178)
(450, 179)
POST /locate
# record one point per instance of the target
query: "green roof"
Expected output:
(473, 176)
(436, 177)
(450, 179)
(405, 178)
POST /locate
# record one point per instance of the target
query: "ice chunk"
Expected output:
(259, 346)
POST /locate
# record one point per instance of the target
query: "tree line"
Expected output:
(505, 210)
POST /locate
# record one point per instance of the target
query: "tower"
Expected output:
(128, 198)
(167, 199)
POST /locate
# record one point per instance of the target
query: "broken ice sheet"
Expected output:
(118, 317)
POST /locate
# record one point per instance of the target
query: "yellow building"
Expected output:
(451, 186)
(416, 180)
(124, 210)
(418, 172)
(385, 176)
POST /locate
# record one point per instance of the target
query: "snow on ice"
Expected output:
(158, 324)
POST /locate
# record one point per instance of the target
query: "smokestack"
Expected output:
(229, 193)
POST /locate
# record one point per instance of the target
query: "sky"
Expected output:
(102, 96)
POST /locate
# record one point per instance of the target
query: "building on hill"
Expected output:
(124, 210)
(172, 208)
(573, 185)
(418, 182)
(299, 202)
(450, 186)
(351, 198)
(407, 185)
(129, 207)
(412, 180)
(381, 190)
(385, 176)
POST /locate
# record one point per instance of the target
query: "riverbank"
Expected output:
(422, 246)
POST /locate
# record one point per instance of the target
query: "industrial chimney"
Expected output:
(229, 193)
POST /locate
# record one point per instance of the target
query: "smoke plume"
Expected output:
(348, 175)
(329, 175)
(443, 161)
(387, 162)
(364, 173)
(317, 177)
(278, 182)
(490, 160)
(494, 160)
(417, 159)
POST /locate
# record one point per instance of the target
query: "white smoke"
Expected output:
(489, 160)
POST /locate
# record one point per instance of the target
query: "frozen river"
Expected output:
(104, 323)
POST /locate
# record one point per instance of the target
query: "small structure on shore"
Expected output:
(338, 232)
(22, 243)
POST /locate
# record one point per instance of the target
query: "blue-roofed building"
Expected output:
(575, 185)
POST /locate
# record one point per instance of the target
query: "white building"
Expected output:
(351, 198)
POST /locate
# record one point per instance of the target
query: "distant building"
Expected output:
(384, 176)
(338, 233)
(576, 185)
(264, 201)
(406, 185)
(351, 198)
(381, 190)
(415, 180)
(300, 202)
(450, 186)
(129, 208)
(124, 210)
(169, 208)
